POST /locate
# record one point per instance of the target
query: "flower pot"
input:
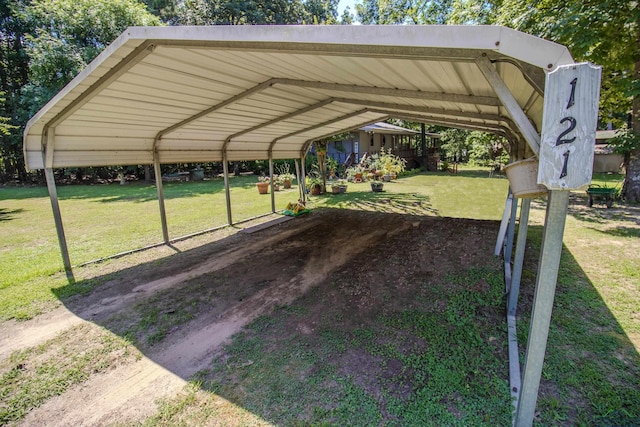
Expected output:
(358, 177)
(343, 189)
(335, 189)
(263, 187)
(276, 187)
(523, 177)
(315, 190)
(286, 183)
(386, 178)
(376, 187)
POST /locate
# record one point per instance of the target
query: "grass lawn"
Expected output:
(100, 221)
(592, 370)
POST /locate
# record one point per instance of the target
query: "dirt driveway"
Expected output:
(179, 311)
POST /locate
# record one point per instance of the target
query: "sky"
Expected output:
(344, 3)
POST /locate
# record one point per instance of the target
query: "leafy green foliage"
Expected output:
(403, 12)
(71, 33)
(248, 12)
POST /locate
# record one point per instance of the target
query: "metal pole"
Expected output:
(302, 183)
(518, 261)
(295, 162)
(423, 145)
(227, 192)
(163, 212)
(271, 184)
(511, 230)
(542, 305)
(503, 224)
(57, 218)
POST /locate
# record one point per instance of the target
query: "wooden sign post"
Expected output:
(569, 127)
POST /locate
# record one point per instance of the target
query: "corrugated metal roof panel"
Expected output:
(191, 92)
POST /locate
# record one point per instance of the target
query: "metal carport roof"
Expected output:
(197, 94)
(190, 94)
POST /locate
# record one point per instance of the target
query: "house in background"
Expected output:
(604, 159)
(404, 143)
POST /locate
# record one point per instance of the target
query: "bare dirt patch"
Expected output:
(181, 311)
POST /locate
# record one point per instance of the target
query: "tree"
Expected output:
(321, 11)
(608, 35)
(245, 12)
(43, 45)
(455, 144)
(487, 149)
(167, 10)
(403, 11)
(473, 12)
(14, 65)
(347, 16)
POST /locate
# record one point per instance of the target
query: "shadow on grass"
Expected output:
(133, 191)
(411, 204)
(8, 214)
(405, 327)
(599, 214)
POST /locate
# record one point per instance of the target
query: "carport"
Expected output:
(164, 95)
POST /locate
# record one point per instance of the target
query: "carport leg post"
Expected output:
(542, 305)
(225, 172)
(57, 217)
(521, 242)
(295, 162)
(163, 213)
(511, 230)
(271, 184)
(504, 223)
(302, 179)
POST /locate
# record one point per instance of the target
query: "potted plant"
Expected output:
(390, 164)
(285, 175)
(335, 188)
(263, 185)
(376, 186)
(354, 173)
(342, 185)
(314, 184)
(276, 182)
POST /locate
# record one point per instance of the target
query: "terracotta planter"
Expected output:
(335, 190)
(286, 183)
(523, 177)
(263, 187)
(358, 177)
(315, 190)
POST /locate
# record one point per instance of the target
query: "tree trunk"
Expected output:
(631, 188)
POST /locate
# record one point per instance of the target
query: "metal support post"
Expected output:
(227, 192)
(302, 179)
(521, 242)
(271, 184)
(511, 230)
(295, 161)
(163, 213)
(542, 305)
(57, 218)
(504, 223)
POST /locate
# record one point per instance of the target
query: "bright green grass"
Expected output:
(100, 221)
(469, 194)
